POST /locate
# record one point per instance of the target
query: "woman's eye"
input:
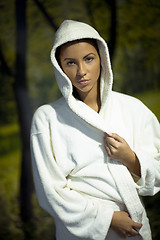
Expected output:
(89, 59)
(71, 63)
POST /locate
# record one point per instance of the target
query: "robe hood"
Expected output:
(71, 30)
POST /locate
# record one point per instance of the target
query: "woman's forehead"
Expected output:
(84, 44)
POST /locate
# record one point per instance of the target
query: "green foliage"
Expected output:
(9, 139)
(8, 111)
(136, 64)
(151, 99)
(7, 41)
(7, 30)
(9, 181)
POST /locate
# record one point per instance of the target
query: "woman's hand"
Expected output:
(118, 149)
(124, 225)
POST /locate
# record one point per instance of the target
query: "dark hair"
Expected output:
(57, 55)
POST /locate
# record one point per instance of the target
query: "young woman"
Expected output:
(94, 151)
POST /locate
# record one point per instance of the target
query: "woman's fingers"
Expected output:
(133, 231)
(137, 225)
(112, 146)
(124, 225)
(108, 150)
(111, 142)
(114, 136)
(117, 137)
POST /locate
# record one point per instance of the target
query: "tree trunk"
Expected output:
(25, 116)
(113, 27)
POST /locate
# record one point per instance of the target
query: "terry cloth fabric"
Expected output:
(75, 180)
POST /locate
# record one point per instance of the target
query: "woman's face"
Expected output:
(81, 63)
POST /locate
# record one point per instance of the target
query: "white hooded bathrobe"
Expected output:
(75, 180)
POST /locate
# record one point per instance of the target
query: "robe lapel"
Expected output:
(88, 115)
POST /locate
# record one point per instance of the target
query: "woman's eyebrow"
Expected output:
(89, 54)
(68, 59)
(75, 59)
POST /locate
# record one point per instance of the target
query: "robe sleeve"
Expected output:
(147, 150)
(83, 217)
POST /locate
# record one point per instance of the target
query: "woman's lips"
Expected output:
(83, 82)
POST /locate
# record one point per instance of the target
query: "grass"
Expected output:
(10, 157)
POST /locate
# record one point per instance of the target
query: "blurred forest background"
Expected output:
(27, 27)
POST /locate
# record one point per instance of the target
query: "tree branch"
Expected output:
(46, 15)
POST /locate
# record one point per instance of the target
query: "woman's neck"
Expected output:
(92, 98)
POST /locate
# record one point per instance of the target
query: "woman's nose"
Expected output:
(81, 71)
